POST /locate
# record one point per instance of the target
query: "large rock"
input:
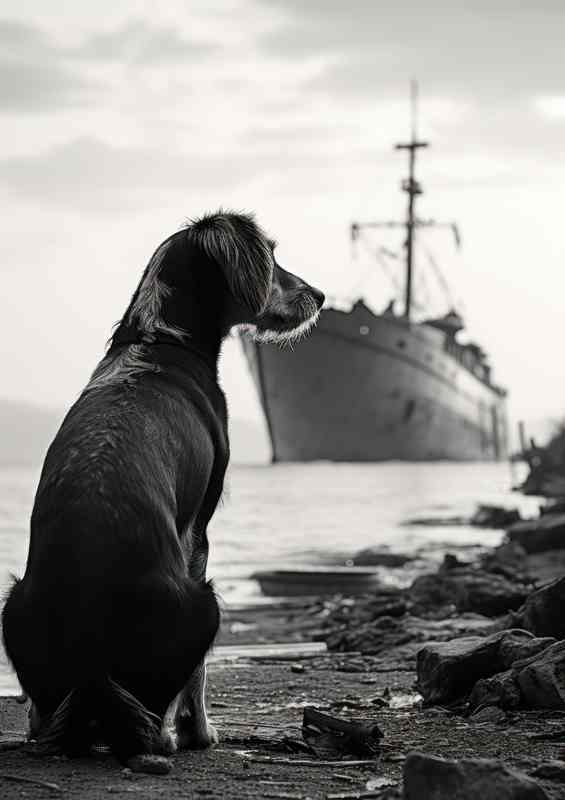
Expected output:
(467, 589)
(542, 613)
(372, 638)
(536, 535)
(489, 594)
(487, 516)
(447, 671)
(378, 557)
(508, 559)
(517, 648)
(500, 690)
(431, 778)
(395, 637)
(542, 678)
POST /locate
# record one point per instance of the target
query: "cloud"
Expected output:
(92, 176)
(141, 43)
(30, 88)
(20, 37)
(34, 76)
(449, 46)
(38, 74)
(479, 67)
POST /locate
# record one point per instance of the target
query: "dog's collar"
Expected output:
(164, 340)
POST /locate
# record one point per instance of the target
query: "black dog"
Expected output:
(111, 622)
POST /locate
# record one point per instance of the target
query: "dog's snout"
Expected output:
(319, 297)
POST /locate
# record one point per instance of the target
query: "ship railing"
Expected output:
(468, 360)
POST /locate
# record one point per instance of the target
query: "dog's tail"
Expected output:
(102, 710)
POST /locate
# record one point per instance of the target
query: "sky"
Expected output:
(119, 120)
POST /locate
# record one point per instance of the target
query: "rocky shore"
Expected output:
(451, 688)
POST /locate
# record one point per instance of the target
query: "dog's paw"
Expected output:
(194, 738)
(168, 743)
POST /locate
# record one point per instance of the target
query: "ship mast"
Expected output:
(413, 188)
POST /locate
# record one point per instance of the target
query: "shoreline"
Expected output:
(271, 662)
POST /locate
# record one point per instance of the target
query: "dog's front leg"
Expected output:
(193, 730)
(190, 721)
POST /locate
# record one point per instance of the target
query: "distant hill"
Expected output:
(27, 430)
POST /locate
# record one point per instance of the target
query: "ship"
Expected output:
(366, 386)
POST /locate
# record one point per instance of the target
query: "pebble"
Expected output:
(154, 765)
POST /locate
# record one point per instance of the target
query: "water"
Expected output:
(306, 514)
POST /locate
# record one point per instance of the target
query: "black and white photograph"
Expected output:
(282, 407)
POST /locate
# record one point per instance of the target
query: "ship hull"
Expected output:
(363, 387)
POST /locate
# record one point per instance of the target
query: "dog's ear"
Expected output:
(243, 252)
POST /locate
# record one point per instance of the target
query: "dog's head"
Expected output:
(273, 304)
(226, 263)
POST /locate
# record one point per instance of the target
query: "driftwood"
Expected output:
(353, 795)
(303, 762)
(54, 787)
(331, 733)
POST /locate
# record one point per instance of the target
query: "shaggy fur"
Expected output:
(109, 626)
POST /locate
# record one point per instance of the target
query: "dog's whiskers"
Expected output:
(283, 338)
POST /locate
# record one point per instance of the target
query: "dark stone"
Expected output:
(508, 559)
(494, 516)
(500, 690)
(432, 591)
(553, 507)
(447, 671)
(489, 594)
(451, 562)
(400, 638)
(514, 649)
(546, 567)
(432, 778)
(542, 613)
(493, 715)
(536, 535)
(436, 522)
(381, 634)
(467, 589)
(485, 516)
(377, 557)
(551, 771)
(347, 613)
(542, 678)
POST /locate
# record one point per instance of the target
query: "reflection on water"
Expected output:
(307, 514)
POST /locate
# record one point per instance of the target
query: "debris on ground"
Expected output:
(428, 776)
(328, 735)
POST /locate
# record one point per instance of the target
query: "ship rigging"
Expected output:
(413, 189)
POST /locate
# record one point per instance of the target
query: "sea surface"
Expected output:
(308, 514)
